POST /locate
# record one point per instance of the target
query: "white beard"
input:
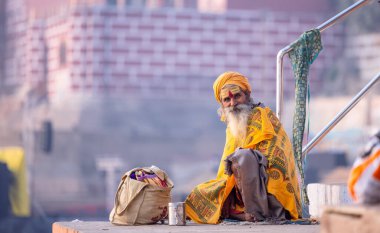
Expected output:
(237, 120)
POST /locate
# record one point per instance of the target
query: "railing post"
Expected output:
(280, 81)
(340, 115)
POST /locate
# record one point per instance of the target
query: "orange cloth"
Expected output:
(230, 78)
(376, 174)
(362, 172)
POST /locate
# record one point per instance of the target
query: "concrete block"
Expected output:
(351, 219)
(322, 195)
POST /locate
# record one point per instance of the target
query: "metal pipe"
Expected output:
(280, 81)
(340, 115)
(342, 14)
(287, 49)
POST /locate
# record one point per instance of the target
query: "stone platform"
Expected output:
(106, 227)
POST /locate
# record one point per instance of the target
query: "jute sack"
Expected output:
(137, 202)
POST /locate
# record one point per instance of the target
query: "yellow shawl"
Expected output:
(265, 134)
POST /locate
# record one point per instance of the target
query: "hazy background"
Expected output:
(92, 89)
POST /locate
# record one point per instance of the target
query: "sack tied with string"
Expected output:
(142, 197)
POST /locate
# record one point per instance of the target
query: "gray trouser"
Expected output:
(249, 168)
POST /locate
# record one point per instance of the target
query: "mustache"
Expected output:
(238, 108)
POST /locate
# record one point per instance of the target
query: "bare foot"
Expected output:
(240, 217)
(250, 217)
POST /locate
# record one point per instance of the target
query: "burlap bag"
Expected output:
(138, 202)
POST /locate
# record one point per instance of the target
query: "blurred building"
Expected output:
(133, 79)
(154, 47)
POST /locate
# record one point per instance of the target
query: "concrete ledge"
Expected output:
(351, 219)
(106, 227)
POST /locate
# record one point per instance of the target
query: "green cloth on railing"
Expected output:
(304, 51)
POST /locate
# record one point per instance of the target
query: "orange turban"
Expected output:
(230, 77)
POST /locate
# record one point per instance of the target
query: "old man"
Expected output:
(257, 179)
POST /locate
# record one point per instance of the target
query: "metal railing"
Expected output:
(340, 115)
(287, 49)
(279, 77)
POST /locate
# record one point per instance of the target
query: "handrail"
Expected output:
(340, 115)
(287, 49)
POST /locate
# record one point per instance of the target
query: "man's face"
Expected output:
(236, 110)
(234, 99)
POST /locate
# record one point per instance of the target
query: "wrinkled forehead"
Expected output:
(229, 90)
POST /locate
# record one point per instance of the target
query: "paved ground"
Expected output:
(106, 227)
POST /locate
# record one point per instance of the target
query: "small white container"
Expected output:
(321, 195)
(177, 214)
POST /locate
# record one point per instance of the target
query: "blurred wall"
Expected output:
(294, 6)
(2, 42)
(161, 52)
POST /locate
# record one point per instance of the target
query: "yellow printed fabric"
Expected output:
(265, 134)
(14, 158)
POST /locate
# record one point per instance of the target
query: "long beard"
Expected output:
(237, 120)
